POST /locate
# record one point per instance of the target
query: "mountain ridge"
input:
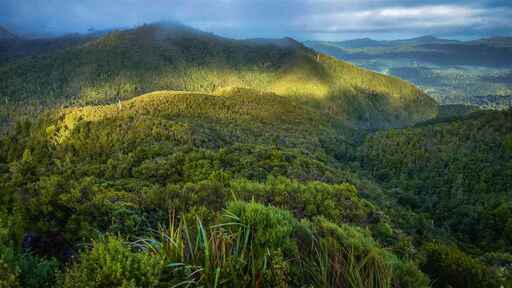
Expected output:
(372, 43)
(7, 35)
(131, 62)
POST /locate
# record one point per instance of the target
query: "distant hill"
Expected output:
(360, 43)
(14, 48)
(429, 39)
(6, 34)
(499, 42)
(454, 111)
(282, 43)
(371, 43)
(492, 52)
(473, 72)
(127, 63)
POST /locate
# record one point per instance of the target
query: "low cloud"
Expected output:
(260, 18)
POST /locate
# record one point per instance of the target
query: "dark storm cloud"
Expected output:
(239, 18)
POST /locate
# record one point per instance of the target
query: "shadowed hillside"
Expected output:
(457, 170)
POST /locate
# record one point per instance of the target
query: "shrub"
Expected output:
(407, 275)
(270, 228)
(347, 256)
(8, 277)
(26, 270)
(338, 203)
(450, 267)
(249, 247)
(112, 263)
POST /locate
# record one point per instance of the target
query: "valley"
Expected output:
(473, 72)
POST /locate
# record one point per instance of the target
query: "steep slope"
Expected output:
(154, 57)
(458, 171)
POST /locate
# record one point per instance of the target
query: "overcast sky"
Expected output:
(302, 19)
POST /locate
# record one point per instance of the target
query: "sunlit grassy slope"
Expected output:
(230, 116)
(154, 57)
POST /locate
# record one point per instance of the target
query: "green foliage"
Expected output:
(8, 278)
(257, 246)
(450, 267)
(80, 174)
(365, 263)
(457, 172)
(57, 207)
(244, 250)
(338, 203)
(508, 143)
(112, 263)
(270, 228)
(345, 246)
(22, 269)
(98, 169)
(26, 270)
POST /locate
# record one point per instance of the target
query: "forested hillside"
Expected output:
(121, 169)
(268, 165)
(457, 173)
(169, 57)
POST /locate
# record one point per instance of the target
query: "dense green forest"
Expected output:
(457, 171)
(256, 173)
